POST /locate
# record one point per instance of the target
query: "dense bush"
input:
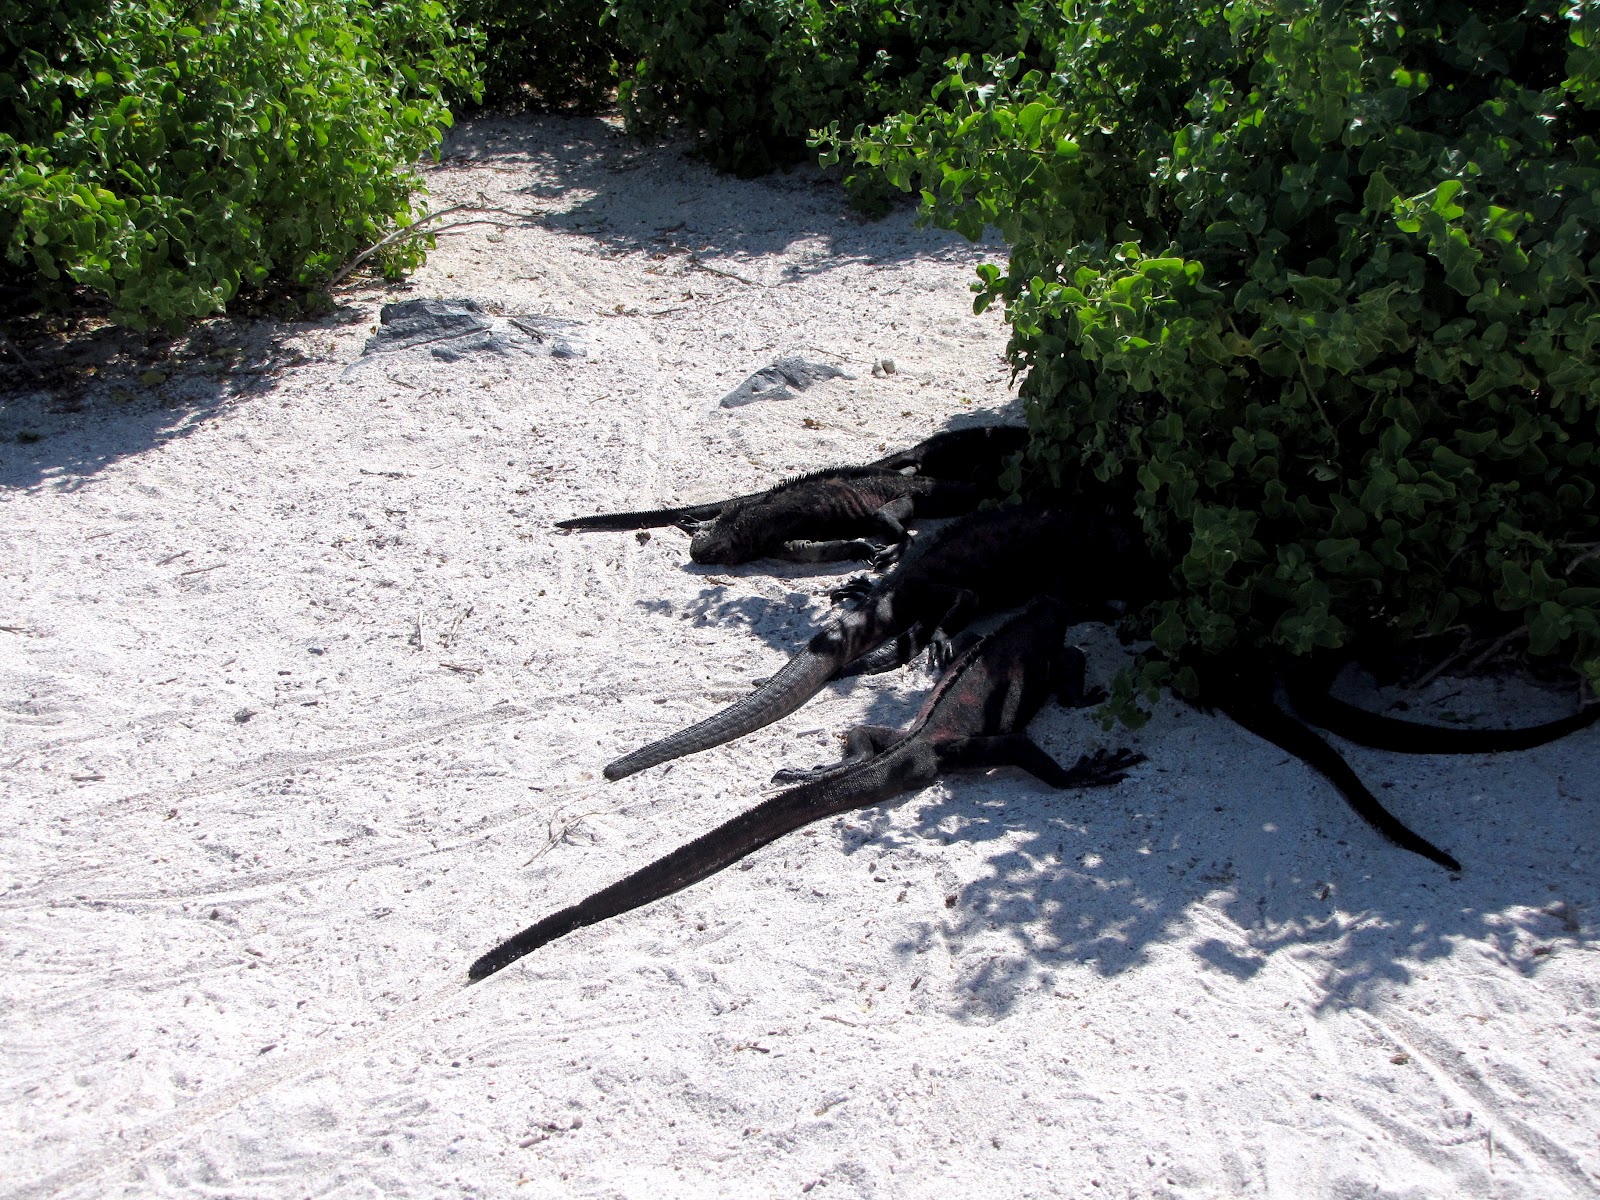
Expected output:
(750, 79)
(165, 153)
(545, 53)
(1323, 277)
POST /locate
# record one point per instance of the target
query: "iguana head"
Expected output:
(724, 542)
(746, 532)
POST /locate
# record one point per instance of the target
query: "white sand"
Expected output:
(235, 948)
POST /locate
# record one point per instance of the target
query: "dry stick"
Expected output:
(18, 355)
(1496, 646)
(697, 264)
(1592, 551)
(1452, 659)
(1441, 666)
(449, 638)
(414, 229)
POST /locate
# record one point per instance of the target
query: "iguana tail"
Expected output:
(779, 696)
(655, 518)
(1383, 732)
(1262, 717)
(703, 857)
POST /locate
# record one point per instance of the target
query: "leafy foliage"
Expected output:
(751, 78)
(1323, 277)
(165, 153)
(547, 54)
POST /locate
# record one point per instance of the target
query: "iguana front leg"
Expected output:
(953, 608)
(852, 591)
(891, 518)
(857, 549)
(1073, 690)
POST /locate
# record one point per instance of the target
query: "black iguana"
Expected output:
(976, 454)
(973, 456)
(973, 718)
(825, 517)
(1088, 555)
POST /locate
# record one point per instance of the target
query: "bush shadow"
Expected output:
(1222, 844)
(644, 198)
(89, 395)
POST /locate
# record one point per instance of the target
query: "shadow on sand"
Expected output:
(611, 189)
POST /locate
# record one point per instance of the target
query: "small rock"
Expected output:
(781, 380)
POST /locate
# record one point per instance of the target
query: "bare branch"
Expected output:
(416, 229)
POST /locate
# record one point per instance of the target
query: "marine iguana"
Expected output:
(973, 718)
(1090, 555)
(974, 455)
(839, 507)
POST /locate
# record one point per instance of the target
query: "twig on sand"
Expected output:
(699, 265)
(1499, 644)
(1441, 666)
(201, 570)
(562, 828)
(1450, 660)
(418, 228)
(19, 356)
(450, 637)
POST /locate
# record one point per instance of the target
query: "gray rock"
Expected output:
(781, 380)
(452, 329)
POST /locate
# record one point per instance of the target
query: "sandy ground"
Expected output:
(303, 705)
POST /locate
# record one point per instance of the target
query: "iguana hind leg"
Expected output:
(852, 591)
(860, 744)
(1019, 750)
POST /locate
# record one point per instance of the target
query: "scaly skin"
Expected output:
(824, 517)
(986, 562)
(974, 718)
(974, 455)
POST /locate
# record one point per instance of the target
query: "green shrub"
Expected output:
(1324, 277)
(546, 54)
(166, 153)
(751, 79)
